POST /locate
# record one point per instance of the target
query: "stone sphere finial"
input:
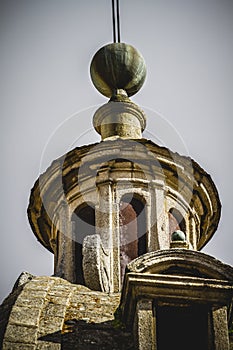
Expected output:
(118, 66)
(178, 236)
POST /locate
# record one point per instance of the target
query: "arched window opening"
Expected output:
(83, 221)
(176, 221)
(133, 238)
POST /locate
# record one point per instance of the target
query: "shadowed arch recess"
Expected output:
(83, 222)
(132, 227)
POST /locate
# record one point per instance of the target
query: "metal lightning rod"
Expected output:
(116, 14)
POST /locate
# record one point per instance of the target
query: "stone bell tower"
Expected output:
(125, 220)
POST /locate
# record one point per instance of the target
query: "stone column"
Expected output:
(159, 238)
(192, 233)
(65, 264)
(220, 328)
(145, 326)
(106, 227)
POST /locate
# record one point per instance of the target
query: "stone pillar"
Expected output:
(193, 233)
(145, 326)
(159, 238)
(106, 227)
(220, 328)
(65, 264)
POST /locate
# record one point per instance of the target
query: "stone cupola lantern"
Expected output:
(125, 219)
(100, 206)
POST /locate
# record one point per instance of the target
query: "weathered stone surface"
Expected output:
(95, 261)
(104, 336)
(26, 316)
(43, 345)
(23, 278)
(20, 334)
(178, 261)
(231, 341)
(64, 316)
(18, 346)
(220, 328)
(163, 181)
(144, 326)
(179, 281)
(119, 119)
(180, 176)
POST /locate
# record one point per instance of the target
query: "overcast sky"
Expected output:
(46, 49)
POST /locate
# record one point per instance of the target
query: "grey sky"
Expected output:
(46, 49)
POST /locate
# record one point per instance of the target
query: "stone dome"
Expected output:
(182, 179)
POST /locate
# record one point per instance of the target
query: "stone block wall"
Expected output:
(51, 313)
